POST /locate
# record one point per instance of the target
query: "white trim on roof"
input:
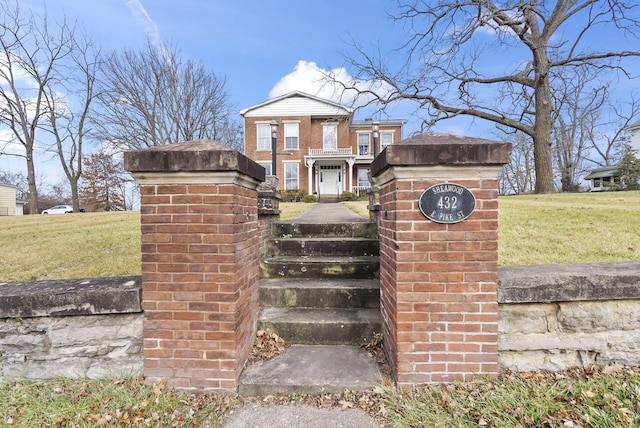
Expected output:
(296, 104)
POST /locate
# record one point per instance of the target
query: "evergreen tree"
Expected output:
(629, 169)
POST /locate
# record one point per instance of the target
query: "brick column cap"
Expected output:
(442, 149)
(192, 156)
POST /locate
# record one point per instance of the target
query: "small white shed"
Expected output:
(7, 200)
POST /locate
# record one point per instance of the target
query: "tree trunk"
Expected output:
(31, 180)
(73, 182)
(542, 143)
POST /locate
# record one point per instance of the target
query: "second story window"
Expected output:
(263, 131)
(386, 139)
(330, 137)
(291, 131)
(363, 144)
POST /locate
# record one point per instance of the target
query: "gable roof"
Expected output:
(296, 103)
(606, 171)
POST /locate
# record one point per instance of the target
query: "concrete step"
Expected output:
(320, 267)
(291, 229)
(310, 293)
(311, 369)
(323, 246)
(328, 199)
(326, 326)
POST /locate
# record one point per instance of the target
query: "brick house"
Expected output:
(319, 147)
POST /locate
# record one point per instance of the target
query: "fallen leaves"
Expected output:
(370, 401)
(376, 348)
(267, 346)
(108, 402)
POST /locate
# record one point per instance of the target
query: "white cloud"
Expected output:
(139, 12)
(8, 145)
(308, 77)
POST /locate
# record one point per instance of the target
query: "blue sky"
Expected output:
(254, 44)
(263, 48)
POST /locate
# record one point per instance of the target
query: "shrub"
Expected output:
(347, 196)
(310, 199)
(292, 195)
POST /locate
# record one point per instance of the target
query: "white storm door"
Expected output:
(330, 182)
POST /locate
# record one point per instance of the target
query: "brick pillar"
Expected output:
(439, 279)
(200, 247)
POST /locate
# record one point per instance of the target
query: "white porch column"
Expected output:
(310, 163)
(351, 161)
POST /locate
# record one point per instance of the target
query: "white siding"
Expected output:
(7, 200)
(635, 140)
(297, 106)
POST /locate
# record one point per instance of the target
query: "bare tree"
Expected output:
(578, 100)
(518, 175)
(609, 136)
(153, 97)
(69, 109)
(450, 66)
(30, 49)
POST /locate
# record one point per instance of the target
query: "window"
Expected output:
(330, 137)
(363, 177)
(264, 136)
(291, 176)
(267, 167)
(386, 139)
(290, 136)
(363, 144)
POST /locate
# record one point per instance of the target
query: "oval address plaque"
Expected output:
(447, 203)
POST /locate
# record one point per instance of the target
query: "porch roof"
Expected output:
(610, 171)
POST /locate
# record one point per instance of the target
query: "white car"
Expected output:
(59, 209)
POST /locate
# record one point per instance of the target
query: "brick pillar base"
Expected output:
(200, 249)
(439, 280)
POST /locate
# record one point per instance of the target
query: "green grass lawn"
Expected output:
(545, 229)
(564, 228)
(591, 397)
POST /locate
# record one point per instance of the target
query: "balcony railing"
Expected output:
(360, 190)
(330, 152)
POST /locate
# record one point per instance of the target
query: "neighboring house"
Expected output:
(320, 148)
(600, 178)
(7, 200)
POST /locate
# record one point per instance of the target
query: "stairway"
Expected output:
(320, 292)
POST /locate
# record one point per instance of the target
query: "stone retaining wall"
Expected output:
(550, 317)
(74, 328)
(555, 317)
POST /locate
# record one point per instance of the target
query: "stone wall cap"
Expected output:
(567, 283)
(88, 296)
(442, 149)
(192, 156)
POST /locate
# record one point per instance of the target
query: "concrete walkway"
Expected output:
(327, 213)
(302, 416)
(299, 417)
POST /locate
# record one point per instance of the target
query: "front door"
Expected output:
(330, 181)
